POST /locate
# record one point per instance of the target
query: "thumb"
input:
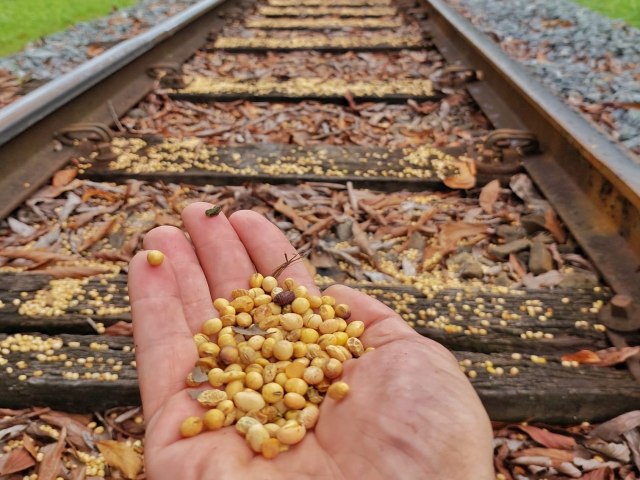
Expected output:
(382, 324)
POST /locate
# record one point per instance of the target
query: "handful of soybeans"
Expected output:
(269, 360)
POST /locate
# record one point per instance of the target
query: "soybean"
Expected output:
(271, 357)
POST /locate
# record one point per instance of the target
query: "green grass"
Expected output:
(22, 21)
(627, 10)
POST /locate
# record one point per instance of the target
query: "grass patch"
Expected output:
(22, 21)
(627, 10)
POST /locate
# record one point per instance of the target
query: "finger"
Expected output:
(223, 257)
(165, 351)
(194, 290)
(164, 430)
(382, 325)
(267, 246)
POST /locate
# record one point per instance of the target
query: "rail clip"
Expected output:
(458, 75)
(168, 74)
(621, 314)
(98, 134)
(503, 151)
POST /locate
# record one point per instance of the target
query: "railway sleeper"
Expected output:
(80, 372)
(472, 318)
(517, 370)
(193, 162)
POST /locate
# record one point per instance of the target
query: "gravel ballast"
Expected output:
(588, 60)
(59, 53)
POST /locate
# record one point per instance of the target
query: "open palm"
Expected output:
(410, 412)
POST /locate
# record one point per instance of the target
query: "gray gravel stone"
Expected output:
(61, 52)
(581, 56)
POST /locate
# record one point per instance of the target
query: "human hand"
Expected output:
(410, 412)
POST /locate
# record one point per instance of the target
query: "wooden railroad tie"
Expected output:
(193, 162)
(205, 89)
(74, 368)
(322, 24)
(321, 43)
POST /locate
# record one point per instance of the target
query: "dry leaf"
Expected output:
(300, 223)
(76, 431)
(569, 469)
(11, 431)
(94, 50)
(544, 280)
(121, 456)
(615, 427)
(489, 195)
(130, 246)
(552, 224)
(120, 329)
(523, 187)
(30, 444)
(451, 234)
(539, 461)
(321, 259)
(319, 226)
(38, 256)
(557, 455)
(588, 464)
(603, 358)
(79, 472)
(582, 357)
(499, 460)
(20, 228)
(466, 176)
(112, 256)
(632, 437)
(10, 412)
(82, 219)
(99, 234)
(53, 192)
(547, 438)
(78, 271)
(352, 104)
(361, 240)
(73, 202)
(599, 474)
(617, 451)
(448, 238)
(15, 461)
(63, 177)
(96, 192)
(516, 266)
(51, 464)
(614, 356)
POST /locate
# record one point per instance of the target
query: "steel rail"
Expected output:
(96, 91)
(593, 184)
(26, 111)
(614, 162)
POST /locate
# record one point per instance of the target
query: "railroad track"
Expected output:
(413, 188)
